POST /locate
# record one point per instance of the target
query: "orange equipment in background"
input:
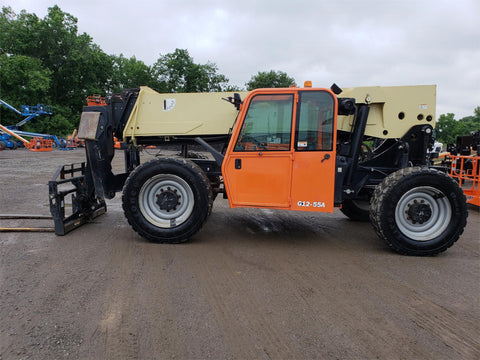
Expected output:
(35, 144)
(465, 169)
(118, 144)
(73, 141)
(40, 144)
(96, 100)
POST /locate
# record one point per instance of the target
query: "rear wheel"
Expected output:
(167, 200)
(2, 145)
(419, 211)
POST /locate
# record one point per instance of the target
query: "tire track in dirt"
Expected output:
(347, 294)
(114, 329)
(252, 284)
(399, 303)
(242, 314)
(140, 318)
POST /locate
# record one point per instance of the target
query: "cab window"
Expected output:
(267, 125)
(315, 121)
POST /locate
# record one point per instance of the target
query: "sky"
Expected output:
(347, 42)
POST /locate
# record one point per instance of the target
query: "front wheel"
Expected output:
(419, 211)
(167, 200)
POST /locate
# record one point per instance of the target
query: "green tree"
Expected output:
(470, 124)
(233, 88)
(22, 78)
(270, 79)
(132, 73)
(20, 33)
(75, 66)
(448, 128)
(57, 124)
(180, 73)
(80, 68)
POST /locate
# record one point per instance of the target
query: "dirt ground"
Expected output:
(252, 284)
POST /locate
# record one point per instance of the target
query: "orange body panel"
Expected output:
(279, 176)
(313, 181)
(263, 181)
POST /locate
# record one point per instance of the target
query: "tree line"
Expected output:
(448, 128)
(47, 61)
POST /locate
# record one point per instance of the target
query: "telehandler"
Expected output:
(307, 149)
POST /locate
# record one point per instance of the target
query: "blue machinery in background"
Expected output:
(30, 112)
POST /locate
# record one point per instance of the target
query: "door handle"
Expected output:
(238, 164)
(325, 157)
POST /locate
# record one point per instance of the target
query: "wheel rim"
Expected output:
(423, 213)
(166, 200)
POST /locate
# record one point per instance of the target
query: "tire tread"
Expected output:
(130, 201)
(379, 200)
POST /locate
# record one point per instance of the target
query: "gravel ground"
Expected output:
(252, 284)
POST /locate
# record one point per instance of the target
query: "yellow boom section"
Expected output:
(393, 110)
(187, 114)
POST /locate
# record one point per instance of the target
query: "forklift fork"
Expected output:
(72, 179)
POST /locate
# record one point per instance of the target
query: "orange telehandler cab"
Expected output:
(293, 148)
(282, 154)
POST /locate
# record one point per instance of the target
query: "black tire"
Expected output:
(356, 210)
(3, 146)
(167, 200)
(419, 211)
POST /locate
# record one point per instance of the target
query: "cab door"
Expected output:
(258, 167)
(313, 170)
(283, 153)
